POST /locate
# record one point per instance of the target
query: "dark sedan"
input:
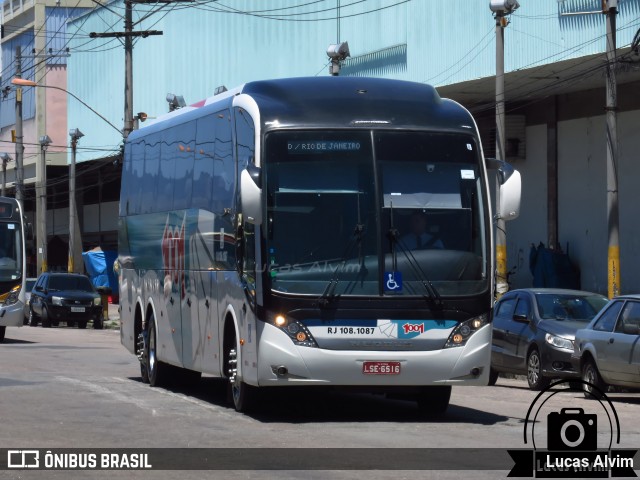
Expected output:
(534, 330)
(65, 297)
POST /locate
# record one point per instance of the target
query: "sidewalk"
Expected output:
(113, 322)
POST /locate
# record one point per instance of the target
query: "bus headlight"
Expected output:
(11, 297)
(295, 330)
(465, 330)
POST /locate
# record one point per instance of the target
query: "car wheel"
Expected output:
(98, 323)
(46, 321)
(534, 371)
(71, 323)
(3, 331)
(493, 377)
(82, 324)
(434, 400)
(33, 320)
(591, 374)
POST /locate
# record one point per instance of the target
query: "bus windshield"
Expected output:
(10, 252)
(375, 213)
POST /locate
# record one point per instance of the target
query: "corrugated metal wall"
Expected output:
(206, 45)
(8, 97)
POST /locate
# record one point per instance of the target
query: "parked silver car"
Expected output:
(607, 351)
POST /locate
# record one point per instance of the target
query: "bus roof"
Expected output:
(335, 102)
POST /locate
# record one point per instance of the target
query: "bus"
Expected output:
(262, 240)
(12, 265)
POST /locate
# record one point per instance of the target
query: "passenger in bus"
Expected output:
(419, 238)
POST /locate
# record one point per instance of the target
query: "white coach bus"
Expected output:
(12, 264)
(312, 232)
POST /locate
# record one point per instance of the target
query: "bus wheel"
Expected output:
(3, 330)
(434, 400)
(241, 394)
(158, 372)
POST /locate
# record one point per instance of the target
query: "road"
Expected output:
(70, 388)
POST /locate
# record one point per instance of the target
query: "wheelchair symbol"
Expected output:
(394, 281)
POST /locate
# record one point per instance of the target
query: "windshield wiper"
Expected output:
(329, 290)
(394, 238)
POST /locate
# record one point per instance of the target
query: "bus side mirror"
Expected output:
(251, 194)
(510, 188)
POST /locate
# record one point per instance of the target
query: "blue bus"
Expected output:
(12, 265)
(311, 232)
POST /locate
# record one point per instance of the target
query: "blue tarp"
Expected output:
(99, 265)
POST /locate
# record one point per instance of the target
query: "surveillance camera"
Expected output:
(503, 6)
(338, 51)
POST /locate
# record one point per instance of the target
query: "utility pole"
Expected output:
(613, 257)
(41, 226)
(19, 135)
(501, 8)
(128, 35)
(75, 135)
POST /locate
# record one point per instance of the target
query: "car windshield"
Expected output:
(569, 307)
(81, 284)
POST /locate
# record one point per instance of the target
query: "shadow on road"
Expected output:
(10, 341)
(313, 405)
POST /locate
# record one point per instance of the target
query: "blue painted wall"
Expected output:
(206, 45)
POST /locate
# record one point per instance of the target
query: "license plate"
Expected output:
(381, 368)
(77, 309)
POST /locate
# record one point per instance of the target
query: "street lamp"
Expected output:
(75, 135)
(5, 157)
(23, 82)
(44, 141)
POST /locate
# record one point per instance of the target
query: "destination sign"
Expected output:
(321, 146)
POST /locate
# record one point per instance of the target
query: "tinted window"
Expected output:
(630, 316)
(168, 153)
(135, 184)
(81, 284)
(151, 167)
(184, 157)
(523, 308)
(607, 320)
(505, 307)
(204, 161)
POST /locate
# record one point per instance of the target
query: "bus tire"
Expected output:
(3, 331)
(158, 372)
(241, 395)
(434, 400)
